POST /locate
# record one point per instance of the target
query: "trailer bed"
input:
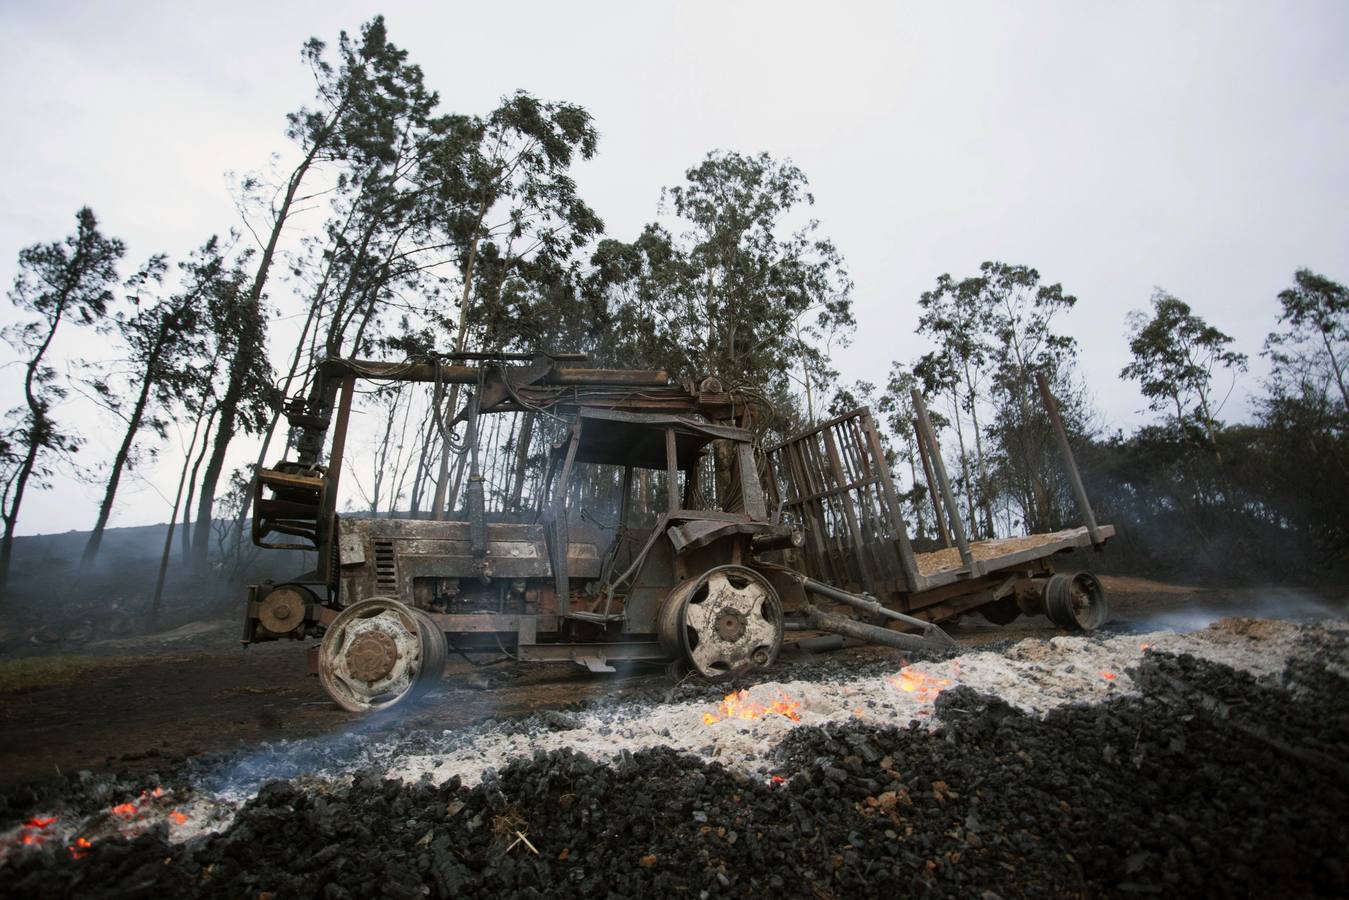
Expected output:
(1002, 553)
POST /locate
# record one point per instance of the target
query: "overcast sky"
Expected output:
(1201, 147)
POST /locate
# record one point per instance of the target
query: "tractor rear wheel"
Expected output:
(727, 620)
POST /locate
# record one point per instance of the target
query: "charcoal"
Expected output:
(1215, 784)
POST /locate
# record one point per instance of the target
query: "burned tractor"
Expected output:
(732, 545)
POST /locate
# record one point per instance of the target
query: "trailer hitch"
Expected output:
(933, 637)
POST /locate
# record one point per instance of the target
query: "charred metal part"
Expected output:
(702, 579)
(819, 620)
(825, 643)
(378, 653)
(727, 620)
(282, 611)
(1001, 612)
(873, 606)
(791, 539)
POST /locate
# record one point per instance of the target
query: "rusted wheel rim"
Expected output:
(1076, 601)
(377, 653)
(725, 621)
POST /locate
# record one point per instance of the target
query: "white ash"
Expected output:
(1034, 675)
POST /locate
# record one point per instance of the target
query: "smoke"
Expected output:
(1269, 602)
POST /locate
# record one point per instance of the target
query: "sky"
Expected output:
(1117, 147)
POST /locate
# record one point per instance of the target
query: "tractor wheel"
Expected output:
(380, 652)
(727, 620)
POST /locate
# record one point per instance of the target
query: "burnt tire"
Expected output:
(1076, 601)
(723, 622)
(378, 653)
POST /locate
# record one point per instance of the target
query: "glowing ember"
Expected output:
(124, 809)
(157, 792)
(38, 822)
(178, 817)
(925, 686)
(1108, 676)
(738, 705)
(80, 848)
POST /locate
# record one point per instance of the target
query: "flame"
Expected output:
(178, 817)
(1108, 676)
(910, 681)
(738, 705)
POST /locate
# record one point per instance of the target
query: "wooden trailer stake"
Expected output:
(957, 527)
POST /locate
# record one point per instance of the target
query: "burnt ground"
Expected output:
(1205, 783)
(141, 704)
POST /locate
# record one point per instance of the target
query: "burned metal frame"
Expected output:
(551, 589)
(840, 489)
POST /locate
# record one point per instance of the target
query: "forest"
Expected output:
(454, 232)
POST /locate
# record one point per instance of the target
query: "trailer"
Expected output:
(710, 548)
(834, 480)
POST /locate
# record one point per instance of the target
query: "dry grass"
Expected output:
(31, 673)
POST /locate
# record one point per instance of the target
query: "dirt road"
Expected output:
(131, 704)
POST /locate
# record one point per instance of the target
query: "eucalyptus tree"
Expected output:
(956, 316)
(164, 345)
(1315, 338)
(1021, 313)
(749, 291)
(1176, 355)
(499, 186)
(70, 280)
(238, 320)
(359, 118)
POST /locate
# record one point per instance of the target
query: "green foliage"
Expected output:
(68, 279)
(737, 293)
(1176, 354)
(1310, 354)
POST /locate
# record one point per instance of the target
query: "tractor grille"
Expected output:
(386, 569)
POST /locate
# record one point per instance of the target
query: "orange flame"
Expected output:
(738, 705)
(178, 817)
(910, 681)
(124, 809)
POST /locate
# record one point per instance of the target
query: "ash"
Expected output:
(1206, 763)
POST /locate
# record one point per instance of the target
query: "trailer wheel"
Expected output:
(380, 652)
(1076, 601)
(724, 621)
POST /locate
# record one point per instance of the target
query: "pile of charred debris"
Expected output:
(1200, 779)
